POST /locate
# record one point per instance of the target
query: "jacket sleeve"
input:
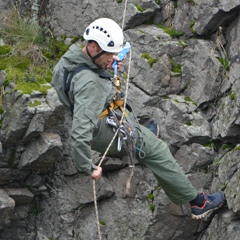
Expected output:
(88, 104)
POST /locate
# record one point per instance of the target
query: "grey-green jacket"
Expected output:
(90, 95)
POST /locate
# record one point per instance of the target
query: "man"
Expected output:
(90, 97)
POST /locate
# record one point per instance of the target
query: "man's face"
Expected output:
(104, 60)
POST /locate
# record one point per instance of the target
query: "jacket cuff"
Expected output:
(90, 171)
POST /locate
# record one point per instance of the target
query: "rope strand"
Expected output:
(114, 136)
(96, 209)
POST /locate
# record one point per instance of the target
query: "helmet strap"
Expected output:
(97, 56)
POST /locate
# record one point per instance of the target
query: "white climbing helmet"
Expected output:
(106, 33)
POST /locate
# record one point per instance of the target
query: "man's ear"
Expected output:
(96, 47)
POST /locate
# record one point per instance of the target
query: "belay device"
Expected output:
(121, 56)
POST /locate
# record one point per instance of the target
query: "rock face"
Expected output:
(43, 196)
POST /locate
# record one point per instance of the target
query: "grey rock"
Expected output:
(41, 154)
(194, 107)
(20, 196)
(202, 74)
(194, 157)
(7, 204)
(2, 77)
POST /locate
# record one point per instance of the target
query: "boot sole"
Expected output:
(198, 217)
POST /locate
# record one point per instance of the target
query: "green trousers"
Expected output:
(158, 159)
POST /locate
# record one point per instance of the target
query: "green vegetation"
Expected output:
(19, 62)
(224, 186)
(166, 97)
(188, 99)
(216, 162)
(28, 56)
(191, 27)
(157, 188)
(28, 87)
(141, 31)
(185, 86)
(35, 209)
(150, 59)
(188, 123)
(171, 31)
(183, 43)
(176, 68)
(237, 148)
(35, 103)
(102, 223)
(225, 62)
(214, 144)
(125, 75)
(151, 198)
(5, 49)
(119, 1)
(152, 207)
(213, 168)
(158, 2)
(175, 4)
(139, 8)
(232, 96)
(227, 146)
(11, 161)
(27, 81)
(1, 106)
(54, 49)
(21, 31)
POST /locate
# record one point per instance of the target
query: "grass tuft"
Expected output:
(19, 30)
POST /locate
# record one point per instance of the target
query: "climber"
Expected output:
(92, 96)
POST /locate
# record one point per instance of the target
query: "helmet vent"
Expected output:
(111, 44)
(100, 29)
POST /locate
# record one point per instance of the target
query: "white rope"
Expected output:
(124, 13)
(116, 132)
(96, 209)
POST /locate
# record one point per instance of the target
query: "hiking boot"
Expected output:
(153, 126)
(211, 202)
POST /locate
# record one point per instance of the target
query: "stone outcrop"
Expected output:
(43, 196)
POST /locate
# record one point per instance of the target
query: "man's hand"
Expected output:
(97, 173)
(119, 63)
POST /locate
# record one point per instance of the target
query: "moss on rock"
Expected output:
(20, 62)
(5, 49)
(55, 49)
(150, 59)
(29, 87)
(35, 103)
